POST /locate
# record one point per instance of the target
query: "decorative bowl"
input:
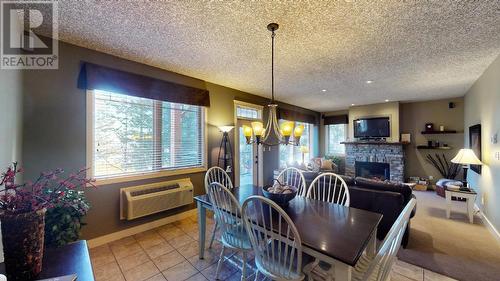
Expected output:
(281, 199)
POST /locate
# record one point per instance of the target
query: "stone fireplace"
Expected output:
(384, 160)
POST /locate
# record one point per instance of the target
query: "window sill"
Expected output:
(149, 175)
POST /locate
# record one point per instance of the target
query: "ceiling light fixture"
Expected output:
(352, 104)
(369, 81)
(386, 100)
(272, 134)
(324, 90)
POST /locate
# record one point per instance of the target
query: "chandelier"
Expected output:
(273, 134)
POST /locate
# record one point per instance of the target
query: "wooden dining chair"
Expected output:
(378, 267)
(216, 174)
(274, 238)
(233, 232)
(329, 187)
(293, 177)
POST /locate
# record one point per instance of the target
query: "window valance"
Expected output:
(336, 119)
(292, 115)
(97, 77)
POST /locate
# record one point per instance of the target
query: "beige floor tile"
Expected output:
(101, 255)
(197, 277)
(158, 277)
(132, 261)
(180, 241)
(433, 276)
(170, 231)
(141, 272)
(124, 241)
(210, 257)
(168, 260)
(226, 271)
(108, 272)
(121, 250)
(189, 250)
(160, 249)
(408, 270)
(180, 272)
(149, 239)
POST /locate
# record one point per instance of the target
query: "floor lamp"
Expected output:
(225, 158)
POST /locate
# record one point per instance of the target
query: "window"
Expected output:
(132, 135)
(247, 112)
(335, 134)
(290, 154)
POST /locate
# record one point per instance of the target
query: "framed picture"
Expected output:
(475, 145)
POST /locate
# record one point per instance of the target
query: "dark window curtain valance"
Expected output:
(337, 119)
(97, 77)
(292, 115)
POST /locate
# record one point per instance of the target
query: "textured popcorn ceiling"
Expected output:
(413, 50)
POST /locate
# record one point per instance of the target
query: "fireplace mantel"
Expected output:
(374, 142)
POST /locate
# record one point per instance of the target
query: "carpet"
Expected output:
(452, 247)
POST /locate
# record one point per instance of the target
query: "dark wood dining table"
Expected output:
(333, 233)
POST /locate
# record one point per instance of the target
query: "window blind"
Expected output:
(134, 135)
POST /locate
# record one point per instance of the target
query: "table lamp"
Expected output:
(466, 157)
(304, 150)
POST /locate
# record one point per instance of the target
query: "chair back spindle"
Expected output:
(293, 177)
(217, 174)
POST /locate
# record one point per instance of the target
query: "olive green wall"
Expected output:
(414, 116)
(54, 131)
(482, 106)
(10, 121)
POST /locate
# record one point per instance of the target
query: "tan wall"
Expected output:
(482, 106)
(54, 132)
(413, 118)
(388, 109)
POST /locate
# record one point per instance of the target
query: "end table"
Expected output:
(470, 197)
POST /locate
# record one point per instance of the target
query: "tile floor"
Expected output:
(170, 253)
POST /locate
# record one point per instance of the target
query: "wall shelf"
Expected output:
(438, 132)
(433, 147)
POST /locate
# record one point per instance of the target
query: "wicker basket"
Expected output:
(23, 237)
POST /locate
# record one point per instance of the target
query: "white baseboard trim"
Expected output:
(98, 241)
(488, 223)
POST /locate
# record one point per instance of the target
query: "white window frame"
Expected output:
(327, 139)
(90, 142)
(311, 136)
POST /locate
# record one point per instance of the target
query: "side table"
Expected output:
(470, 197)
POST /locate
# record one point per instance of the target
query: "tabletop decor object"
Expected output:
(446, 169)
(22, 211)
(280, 193)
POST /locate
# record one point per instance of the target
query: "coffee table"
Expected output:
(470, 197)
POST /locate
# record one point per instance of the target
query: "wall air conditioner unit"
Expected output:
(143, 200)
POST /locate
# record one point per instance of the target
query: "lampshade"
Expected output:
(247, 131)
(304, 149)
(258, 128)
(298, 130)
(466, 157)
(287, 128)
(225, 129)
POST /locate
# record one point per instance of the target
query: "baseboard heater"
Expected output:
(142, 200)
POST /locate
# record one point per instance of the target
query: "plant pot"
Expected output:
(23, 238)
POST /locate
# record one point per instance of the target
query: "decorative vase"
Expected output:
(23, 238)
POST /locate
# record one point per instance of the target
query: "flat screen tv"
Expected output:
(379, 127)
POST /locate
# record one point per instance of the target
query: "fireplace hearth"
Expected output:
(373, 170)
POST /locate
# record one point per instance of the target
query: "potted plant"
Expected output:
(22, 214)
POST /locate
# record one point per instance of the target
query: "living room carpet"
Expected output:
(452, 247)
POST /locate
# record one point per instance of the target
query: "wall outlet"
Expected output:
(497, 155)
(494, 138)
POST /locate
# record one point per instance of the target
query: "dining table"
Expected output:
(333, 233)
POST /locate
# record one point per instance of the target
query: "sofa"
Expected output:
(386, 198)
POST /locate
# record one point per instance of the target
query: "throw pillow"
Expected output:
(326, 164)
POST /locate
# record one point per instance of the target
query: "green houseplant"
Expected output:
(22, 211)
